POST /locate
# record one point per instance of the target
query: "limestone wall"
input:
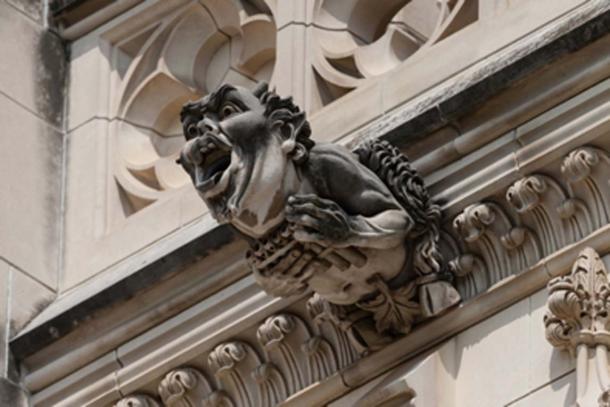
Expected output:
(32, 85)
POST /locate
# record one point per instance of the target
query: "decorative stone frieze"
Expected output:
(577, 321)
(540, 215)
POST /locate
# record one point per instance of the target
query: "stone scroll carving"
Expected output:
(357, 228)
(577, 321)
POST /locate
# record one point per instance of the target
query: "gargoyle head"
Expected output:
(242, 153)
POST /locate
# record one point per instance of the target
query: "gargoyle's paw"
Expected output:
(307, 221)
(312, 199)
(305, 236)
(308, 208)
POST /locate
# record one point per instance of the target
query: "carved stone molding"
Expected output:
(489, 232)
(137, 400)
(295, 355)
(539, 215)
(577, 321)
(187, 387)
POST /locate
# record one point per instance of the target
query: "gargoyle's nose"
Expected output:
(207, 126)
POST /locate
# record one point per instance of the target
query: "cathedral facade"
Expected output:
(476, 276)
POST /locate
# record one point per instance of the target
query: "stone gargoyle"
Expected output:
(356, 228)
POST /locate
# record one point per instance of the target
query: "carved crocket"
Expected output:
(357, 228)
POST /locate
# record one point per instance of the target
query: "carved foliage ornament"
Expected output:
(577, 321)
(579, 304)
(357, 228)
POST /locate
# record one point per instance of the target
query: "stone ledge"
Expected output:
(39, 335)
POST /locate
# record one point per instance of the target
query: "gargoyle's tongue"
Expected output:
(217, 167)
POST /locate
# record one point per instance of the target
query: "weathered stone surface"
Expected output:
(31, 204)
(31, 8)
(12, 395)
(35, 78)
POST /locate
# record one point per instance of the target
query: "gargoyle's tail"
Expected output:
(395, 170)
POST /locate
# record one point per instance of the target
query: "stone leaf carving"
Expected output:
(281, 337)
(470, 274)
(137, 400)
(371, 243)
(235, 364)
(579, 304)
(302, 358)
(328, 326)
(187, 387)
(543, 203)
(586, 170)
(577, 321)
(490, 235)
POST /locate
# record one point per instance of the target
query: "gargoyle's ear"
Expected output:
(260, 89)
(290, 130)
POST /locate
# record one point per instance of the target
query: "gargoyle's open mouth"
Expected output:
(215, 162)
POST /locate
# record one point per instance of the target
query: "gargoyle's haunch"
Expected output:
(356, 227)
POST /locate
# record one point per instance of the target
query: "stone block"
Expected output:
(297, 11)
(12, 395)
(27, 299)
(21, 298)
(89, 76)
(363, 106)
(5, 270)
(492, 359)
(30, 165)
(35, 75)
(559, 393)
(31, 8)
(422, 72)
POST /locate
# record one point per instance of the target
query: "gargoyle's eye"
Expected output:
(192, 131)
(227, 110)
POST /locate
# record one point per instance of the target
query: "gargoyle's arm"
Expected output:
(386, 229)
(351, 206)
(323, 221)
